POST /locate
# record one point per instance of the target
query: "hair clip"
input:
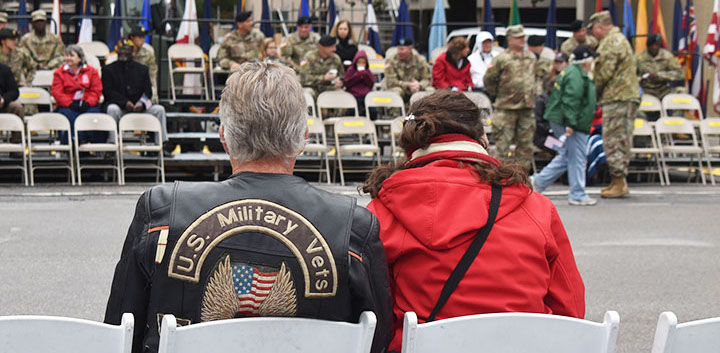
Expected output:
(410, 117)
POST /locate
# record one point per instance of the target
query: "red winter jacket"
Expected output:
(428, 218)
(65, 84)
(445, 74)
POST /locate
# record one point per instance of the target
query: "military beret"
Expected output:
(243, 16)
(583, 52)
(576, 26)
(405, 41)
(6, 33)
(599, 17)
(137, 30)
(3, 17)
(39, 15)
(515, 31)
(327, 41)
(654, 38)
(304, 20)
(534, 41)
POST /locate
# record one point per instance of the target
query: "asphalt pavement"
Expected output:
(653, 251)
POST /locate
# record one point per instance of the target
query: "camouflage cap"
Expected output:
(3, 17)
(6, 33)
(39, 15)
(598, 17)
(515, 31)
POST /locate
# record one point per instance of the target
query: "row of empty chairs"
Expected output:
(670, 103)
(42, 129)
(500, 332)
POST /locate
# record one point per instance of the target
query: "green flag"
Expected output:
(514, 15)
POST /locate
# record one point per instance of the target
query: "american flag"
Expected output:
(711, 43)
(252, 287)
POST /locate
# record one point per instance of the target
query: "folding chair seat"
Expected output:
(268, 335)
(190, 54)
(145, 123)
(669, 145)
(97, 122)
(651, 104)
(317, 143)
(42, 79)
(681, 101)
(510, 332)
(35, 95)
(644, 130)
(29, 333)
(50, 122)
(12, 123)
(700, 336)
(710, 137)
(363, 129)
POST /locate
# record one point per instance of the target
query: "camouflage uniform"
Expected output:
(616, 84)
(20, 63)
(45, 51)
(543, 66)
(512, 79)
(238, 49)
(313, 69)
(146, 57)
(665, 66)
(399, 73)
(571, 43)
(296, 48)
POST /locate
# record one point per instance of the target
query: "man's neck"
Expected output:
(517, 51)
(5, 50)
(274, 165)
(242, 32)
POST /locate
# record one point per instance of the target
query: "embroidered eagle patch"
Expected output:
(240, 290)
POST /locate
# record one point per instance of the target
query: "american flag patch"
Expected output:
(252, 287)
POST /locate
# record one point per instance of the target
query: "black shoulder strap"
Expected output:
(469, 256)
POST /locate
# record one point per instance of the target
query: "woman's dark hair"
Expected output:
(446, 112)
(456, 46)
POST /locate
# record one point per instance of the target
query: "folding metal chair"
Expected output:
(97, 122)
(96, 49)
(144, 123)
(667, 127)
(215, 69)
(418, 96)
(363, 129)
(370, 51)
(651, 104)
(310, 102)
(376, 66)
(42, 79)
(317, 143)
(35, 95)
(644, 130)
(710, 137)
(681, 101)
(12, 123)
(190, 54)
(50, 122)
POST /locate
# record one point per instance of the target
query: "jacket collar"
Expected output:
(450, 146)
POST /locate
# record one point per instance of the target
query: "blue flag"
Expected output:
(205, 39)
(437, 32)
(114, 35)
(373, 33)
(613, 12)
(488, 18)
(304, 9)
(550, 22)
(677, 31)
(266, 27)
(402, 31)
(148, 19)
(22, 22)
(332, 15)
(628, 22)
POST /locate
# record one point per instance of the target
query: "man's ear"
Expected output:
(222, 138)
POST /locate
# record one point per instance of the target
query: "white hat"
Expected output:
(483, 36)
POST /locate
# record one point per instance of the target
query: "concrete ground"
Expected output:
(653, 251)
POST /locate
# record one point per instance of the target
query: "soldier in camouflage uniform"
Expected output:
(579, 37)
(543, 66)
(45, 49)
(242, 45)
(511, 78)
(407, 72)
(657, 68)
(300, 43)
(322, 69)
(144, 56)
(15, 57)
(616, 84)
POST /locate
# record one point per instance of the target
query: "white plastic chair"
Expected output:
(667, 127)
(509, 333)
(97, 122)
(650, 103)
(268, 334)
(146, 123)
(681, 101)
(363, 129)
(317, 143)
(43, 79)
(710, 128)
(189, 53)
(700, 336)
(51, 122)
(95, 48)
(27, 333)
(13, 123)
(335, 100)
(644, 129)
(35, 95)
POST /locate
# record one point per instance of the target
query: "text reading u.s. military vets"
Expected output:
(257, 216)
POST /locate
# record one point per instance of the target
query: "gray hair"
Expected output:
(74, 48)
(263, 112)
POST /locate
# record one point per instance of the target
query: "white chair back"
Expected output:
(390, 52)
(268, 334)
(95, 122)
(701, 336)
(139, 121)
(481, 100)
(310, 103)
(650, 103)
(61, 334)
(185, 51)
(11, 122)
(35, 95)
(336, 100)
(370, 51)
(384, 99)
(376, 66)
(95, 49)
(673, 125)
(681, 101)
(43, 78)
(511, 332)
(213, 53)
(95, 63)
(418, 96)
(48, 121)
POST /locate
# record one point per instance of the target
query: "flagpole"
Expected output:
(579, 9)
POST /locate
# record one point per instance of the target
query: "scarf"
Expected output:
(450, 146)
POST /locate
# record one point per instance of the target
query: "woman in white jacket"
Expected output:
(481, 58)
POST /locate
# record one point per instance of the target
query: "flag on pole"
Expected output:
(22, 22)
(658, 24)
(187, 33)
(114, 35)
(641, 28)
(402, 31)
(241, 8)
(712, 53)
(488, 18)
(86, 27)
(550, 22)
(147, 15)
(304, 9)
(677, 26)
(628, 22)
(514, 14)
(55, 28)
(438, 29)
(332, 15)
(613, 12)
(598, 5)
(205, 39)
(373, 33)
(265, 27)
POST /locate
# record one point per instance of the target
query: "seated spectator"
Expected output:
(9, 93)
(346, 48)
(144, 56)
(127, 89)
(481, 59)
(579, 30)
(300, 42)
(657, 68)
(18, 59)
(76, 88)
(319, 253)
(451, 69)
(270, 53)
(242, 45)
(407, 72)
(46, 49)
(322, 69)
(432, 206)
(359, 80)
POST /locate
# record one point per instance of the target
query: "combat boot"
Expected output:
(618, 188)
(607, 188)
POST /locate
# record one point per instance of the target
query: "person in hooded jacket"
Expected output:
(451, 69)
(346, 48)
(431, 207)
(358, 79)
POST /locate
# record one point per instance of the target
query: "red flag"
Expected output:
(598, 6)
(658, 25)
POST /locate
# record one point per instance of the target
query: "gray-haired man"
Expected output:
(263, 242)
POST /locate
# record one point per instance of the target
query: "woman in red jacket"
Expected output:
(452, 69)
(76, 88)
(432, 207)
